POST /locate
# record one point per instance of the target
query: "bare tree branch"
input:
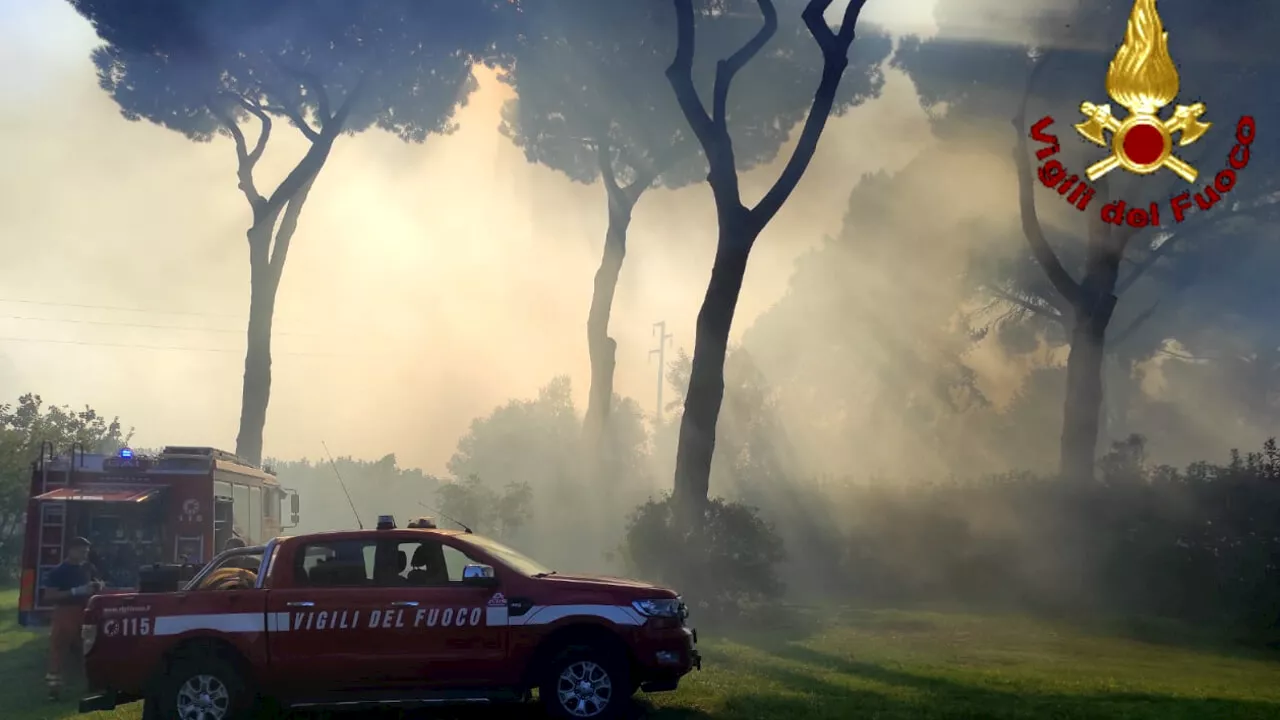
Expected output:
(680, 75)
(290, 100)
(298, 121)
(604, 157)
(1058, 276)
(1048, 312)
(1193, 358)
(835, 58)
(1147, 263)
(618, 200)
(1120, 237)
(339, 119)
(1195, 224)
(305, 171)
(815, 18)
(992, 304)
(727, 69)
(246, 159)
(301, 174)
(1172, 300)
(647, 172)
(313, 86)
(288, 226)
(264, 119)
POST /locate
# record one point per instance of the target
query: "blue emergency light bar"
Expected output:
(386, 522)
(126, 460)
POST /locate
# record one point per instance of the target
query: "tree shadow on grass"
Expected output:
(908, 695)
(782, 620)
(793, 624)
(777, 624)
(903, 696)
(638, 709)
(1244, 645)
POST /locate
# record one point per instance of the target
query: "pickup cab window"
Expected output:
(234, 572)
(336, 563)
(519, 562)
(426, 563)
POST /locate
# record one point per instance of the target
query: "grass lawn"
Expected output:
(882, 665)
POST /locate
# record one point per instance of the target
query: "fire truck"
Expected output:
(141, 512)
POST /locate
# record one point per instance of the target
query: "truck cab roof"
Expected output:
(375, 533)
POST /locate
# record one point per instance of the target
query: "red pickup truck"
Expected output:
(393, 617)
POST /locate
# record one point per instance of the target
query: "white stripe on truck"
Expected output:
(547, 614)
(281, 621)
(222, 622)
(278, 622)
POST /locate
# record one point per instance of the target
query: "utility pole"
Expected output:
(664, 339)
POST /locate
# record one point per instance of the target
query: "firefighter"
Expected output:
(69, 587)
(243, 563)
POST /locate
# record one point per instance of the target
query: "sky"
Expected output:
(427, 284)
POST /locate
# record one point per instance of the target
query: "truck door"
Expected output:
(324, 623)
(439, 631)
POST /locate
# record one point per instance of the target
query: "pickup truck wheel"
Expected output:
(204, 688)
(585, 684)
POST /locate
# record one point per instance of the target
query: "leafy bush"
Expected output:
(724, 566)
(1200, 545)
(532, 449)
(483, 509)
(377, 487)
(23, 428)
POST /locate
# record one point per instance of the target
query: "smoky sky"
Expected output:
(429, 283)
(426, 284)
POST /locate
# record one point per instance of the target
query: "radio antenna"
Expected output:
(342, 484)
(465, 529)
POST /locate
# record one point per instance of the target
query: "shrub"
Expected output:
(485, 510)
(1200, 545)
(724, 566)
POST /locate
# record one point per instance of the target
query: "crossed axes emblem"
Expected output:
(1185, 121)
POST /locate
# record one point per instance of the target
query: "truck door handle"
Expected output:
(301, 603)
(405, 603)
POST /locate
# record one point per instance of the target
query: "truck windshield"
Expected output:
(518, 562)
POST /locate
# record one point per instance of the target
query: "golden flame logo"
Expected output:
(1142, 76)
(1143, 79)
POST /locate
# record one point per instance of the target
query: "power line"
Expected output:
(158, 347)
(120, 308)
(139, 325)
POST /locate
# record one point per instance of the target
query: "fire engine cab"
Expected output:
(142, 513)
(390, 617)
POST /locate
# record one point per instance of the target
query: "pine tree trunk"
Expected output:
(1093, 305)
(257, 358)
(602, 348)
(1083, 407)
(706, 379)
(738, 226)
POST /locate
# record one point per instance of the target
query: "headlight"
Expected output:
(663, 608)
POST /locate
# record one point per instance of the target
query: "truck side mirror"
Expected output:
(293, 505)
(479, 576)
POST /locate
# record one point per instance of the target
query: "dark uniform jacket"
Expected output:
(68, 576)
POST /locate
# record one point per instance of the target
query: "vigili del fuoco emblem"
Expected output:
(1143, 79)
